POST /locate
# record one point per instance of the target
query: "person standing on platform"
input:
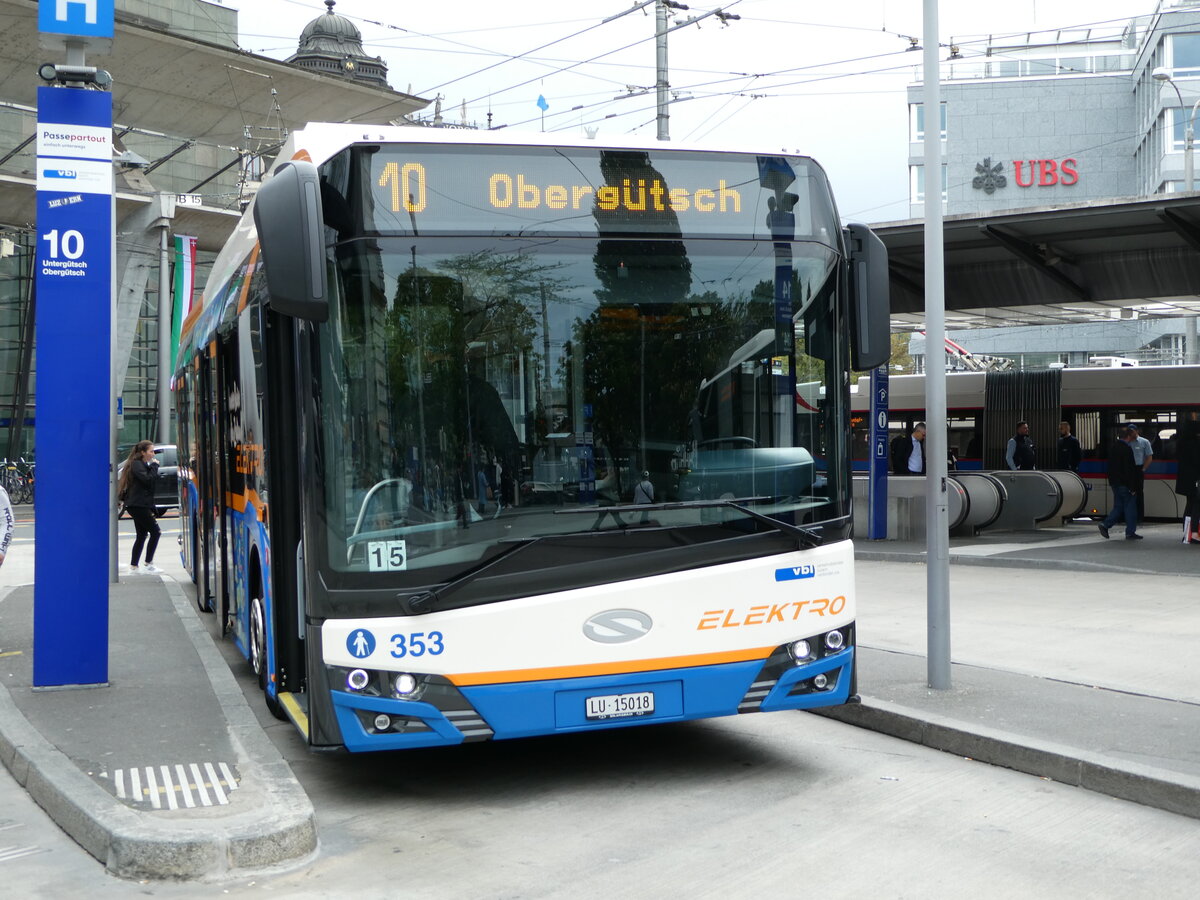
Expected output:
(1125, 477)
(136, 492)
(1069, 452)
(1020, 454)
(908, 452)
(1143, 455)
(1187, 481)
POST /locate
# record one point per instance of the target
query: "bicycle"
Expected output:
(17, 478)
(26, 470)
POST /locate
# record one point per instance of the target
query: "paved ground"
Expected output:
(164, 772)
(1074, 660)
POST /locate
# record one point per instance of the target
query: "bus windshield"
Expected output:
(525, 341)
(480, 391)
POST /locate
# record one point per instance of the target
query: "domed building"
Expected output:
(332, 45)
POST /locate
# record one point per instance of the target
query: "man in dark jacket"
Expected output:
(1020, 453)
(1125, 478)
(908, 452)
(1069, 452)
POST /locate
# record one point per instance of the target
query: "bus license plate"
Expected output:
(614, 706)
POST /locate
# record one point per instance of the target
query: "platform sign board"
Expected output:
(78, 18)
(74, 280)
(879, 461)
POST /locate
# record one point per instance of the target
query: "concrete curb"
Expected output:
(1174, 792)
(138, 845)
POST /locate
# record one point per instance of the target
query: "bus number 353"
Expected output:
(417, 644)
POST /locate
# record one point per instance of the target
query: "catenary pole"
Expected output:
(937, 521)
(165, 363)
(660, 81)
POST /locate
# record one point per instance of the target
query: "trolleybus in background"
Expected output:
(410, 325)
(984, 407)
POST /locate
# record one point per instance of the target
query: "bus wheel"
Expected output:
(258, 654)
(258, 642)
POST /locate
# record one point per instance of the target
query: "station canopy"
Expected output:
(1071, 264)
(185, 90)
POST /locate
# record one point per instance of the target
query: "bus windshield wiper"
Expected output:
(807, 537)
(425, 601)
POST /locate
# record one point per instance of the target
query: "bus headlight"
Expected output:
(835, 640)
(801, 650)
(383, 722)
(819, 682)
(357, 679)
(405, 684)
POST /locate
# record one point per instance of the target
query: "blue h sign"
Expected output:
(80, 18)
(74, 394)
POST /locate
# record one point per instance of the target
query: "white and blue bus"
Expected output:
(445, 474)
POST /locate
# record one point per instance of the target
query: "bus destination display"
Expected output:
(583, 191)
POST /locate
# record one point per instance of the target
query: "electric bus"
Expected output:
(427, 374)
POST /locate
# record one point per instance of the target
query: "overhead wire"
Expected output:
(768, 81)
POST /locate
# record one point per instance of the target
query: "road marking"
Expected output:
(166, 776)
(155, 787)
(152, 788)
(11, 653)
(996, 549)
(199, 784)
(184, 788)
(8, 854)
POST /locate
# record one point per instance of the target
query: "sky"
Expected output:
(823, 79)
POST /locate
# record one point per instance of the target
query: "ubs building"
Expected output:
(1073, 117)
(1067, 116)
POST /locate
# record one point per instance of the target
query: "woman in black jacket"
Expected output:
(136, 491)
(1187, 483)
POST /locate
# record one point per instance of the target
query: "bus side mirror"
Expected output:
(870, 299)
(289, 219)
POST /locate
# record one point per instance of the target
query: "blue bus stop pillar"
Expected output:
(75, 227)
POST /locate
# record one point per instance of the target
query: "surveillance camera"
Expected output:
(53, 73)
(131, 160)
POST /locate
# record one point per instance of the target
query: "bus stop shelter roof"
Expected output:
(189, 88)
(1086, 262)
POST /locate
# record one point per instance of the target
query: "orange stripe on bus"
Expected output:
(302, 154)
(466, 679)
(246, 282)
(239, 502)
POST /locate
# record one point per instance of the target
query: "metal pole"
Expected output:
(164, 335)
(660, 47)
(1188, 181)
(76, 57)
(1190, 355)
(937, 520)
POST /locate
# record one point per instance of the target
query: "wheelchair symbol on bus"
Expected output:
(360, 643)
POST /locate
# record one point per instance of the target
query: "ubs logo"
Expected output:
(617, 626)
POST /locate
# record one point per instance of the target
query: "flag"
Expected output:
(542, 104)
(185, 285)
